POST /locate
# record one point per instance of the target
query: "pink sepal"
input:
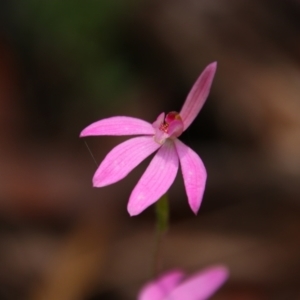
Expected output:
(118, 126)
(122, 159)
(156, 180)
(197, 96)
(194, 174)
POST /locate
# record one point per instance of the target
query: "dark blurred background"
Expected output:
(65, 64)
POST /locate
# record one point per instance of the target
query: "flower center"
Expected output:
(164, 127)
(170, 126)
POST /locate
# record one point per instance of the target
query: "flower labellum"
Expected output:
(174, 285)
(162, 135)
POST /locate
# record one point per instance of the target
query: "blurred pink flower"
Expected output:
(162, 135)
(175, 286)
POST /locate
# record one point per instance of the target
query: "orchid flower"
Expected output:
(175, 286)
(162, 135)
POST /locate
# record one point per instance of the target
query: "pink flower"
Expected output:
(175, 286)
(162, 136)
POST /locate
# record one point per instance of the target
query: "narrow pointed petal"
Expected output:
(197, 95)
(200, 286)
(160, 288)
(156, 180)
(122, 159)
(159, 120)
(118, 126)
(194, 174)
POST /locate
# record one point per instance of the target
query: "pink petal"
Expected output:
(118, 126)
(156, 180)
(197, 95)
(201, 285)
(160, 288)
(194, 174)
(175, 128)
(151, 292)
(159, 120)
(122, 159)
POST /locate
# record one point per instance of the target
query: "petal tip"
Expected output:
(134, 208)
(220, 268)
(213, 66)
(195, 205)
(97, 183)
(221, 273)
(132, 214)
(86, 132)
(81, 135)
(195, 211)
(195, 208)
(132, 211)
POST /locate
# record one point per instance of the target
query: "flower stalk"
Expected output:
(162, 225)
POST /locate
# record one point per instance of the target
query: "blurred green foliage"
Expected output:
(79, 38)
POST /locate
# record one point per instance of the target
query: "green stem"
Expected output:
(162, 225)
